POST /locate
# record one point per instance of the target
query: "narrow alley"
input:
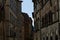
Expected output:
(29, 19)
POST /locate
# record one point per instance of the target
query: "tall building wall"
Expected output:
(48, 15)
(1, 19)
(10, 21)
(27, 27)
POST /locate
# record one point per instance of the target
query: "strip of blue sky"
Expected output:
(27, 7)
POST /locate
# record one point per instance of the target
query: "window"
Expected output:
(51, 38)
(36, 27)
(41, 3)
(50, 2)
(46, 20)
(50, 17)
(38, 6)
(55, 16)
(36, 38)
(46, 38)
(43, 22)
(35, 6)
(12, 33)
(56, 37)
(56, 12)
(43, 38)
(2, 14)
(59, 29)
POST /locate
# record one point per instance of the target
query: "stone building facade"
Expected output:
(11, 19)
(14, 25)
(46, 17)
(27, 27)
